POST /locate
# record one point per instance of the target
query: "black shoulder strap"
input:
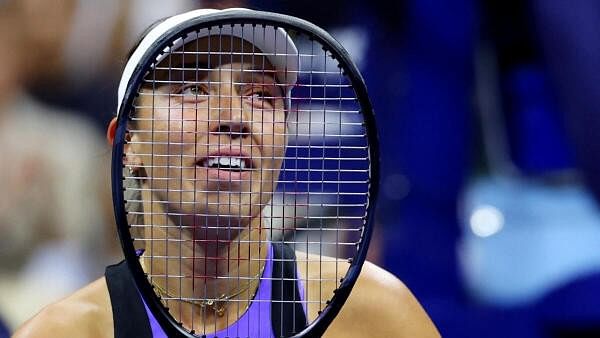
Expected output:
(287, 313)
(129, 314)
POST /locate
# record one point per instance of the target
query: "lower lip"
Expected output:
(227, 175)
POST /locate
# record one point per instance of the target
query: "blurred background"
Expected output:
(489, 207)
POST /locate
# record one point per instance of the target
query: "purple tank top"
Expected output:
(255, 322)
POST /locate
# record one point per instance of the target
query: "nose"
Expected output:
(229, 116)
(232, 129)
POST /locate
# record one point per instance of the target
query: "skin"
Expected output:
(379, 306)
(218, 226)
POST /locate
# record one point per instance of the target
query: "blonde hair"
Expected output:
(133, 205)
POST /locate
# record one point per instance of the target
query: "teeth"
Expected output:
(226, 161)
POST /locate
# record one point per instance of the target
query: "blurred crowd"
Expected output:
(60, 63)
(489, 207)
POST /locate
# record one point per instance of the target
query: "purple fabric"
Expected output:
(157, 331)
(255, 322)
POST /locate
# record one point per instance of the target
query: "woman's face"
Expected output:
(210, 134)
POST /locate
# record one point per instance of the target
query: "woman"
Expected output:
(205, 148)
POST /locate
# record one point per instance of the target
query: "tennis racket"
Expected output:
(244, 174)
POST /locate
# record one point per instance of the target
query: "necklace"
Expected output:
(219, 304)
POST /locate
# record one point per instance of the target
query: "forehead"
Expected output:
(216, 51)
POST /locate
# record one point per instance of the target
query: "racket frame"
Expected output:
(231, 17)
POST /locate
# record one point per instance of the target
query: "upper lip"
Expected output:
(228, 152)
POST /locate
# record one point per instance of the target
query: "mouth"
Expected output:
(227, 165)
(230, 163)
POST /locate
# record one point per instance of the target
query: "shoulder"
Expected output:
(380, 305)
(85, 313)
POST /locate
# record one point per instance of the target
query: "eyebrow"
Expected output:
(198, 71)
(257, 73)
(260, 72)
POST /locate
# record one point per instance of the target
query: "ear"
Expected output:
(110, 132)
(131, 158)
(131, 154)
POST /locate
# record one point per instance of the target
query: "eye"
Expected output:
(258, 95)
(193, 89)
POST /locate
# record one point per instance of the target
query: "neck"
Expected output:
(220, 276)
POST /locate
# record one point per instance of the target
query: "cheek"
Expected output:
(273, 129)
(171, 130)
(280, 132)
(275, 149)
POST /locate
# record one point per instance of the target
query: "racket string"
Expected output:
(322, 179)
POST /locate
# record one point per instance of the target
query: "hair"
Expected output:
(133, 185)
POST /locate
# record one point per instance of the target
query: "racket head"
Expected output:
(299, 114)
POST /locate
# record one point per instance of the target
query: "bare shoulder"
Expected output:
(380, 305)
(85, 313)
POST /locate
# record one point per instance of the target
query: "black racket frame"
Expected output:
(171, 327)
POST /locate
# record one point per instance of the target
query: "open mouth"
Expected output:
(230, 163)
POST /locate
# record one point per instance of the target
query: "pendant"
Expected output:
(219, 309)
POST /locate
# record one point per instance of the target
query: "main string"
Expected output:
(319, 197)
